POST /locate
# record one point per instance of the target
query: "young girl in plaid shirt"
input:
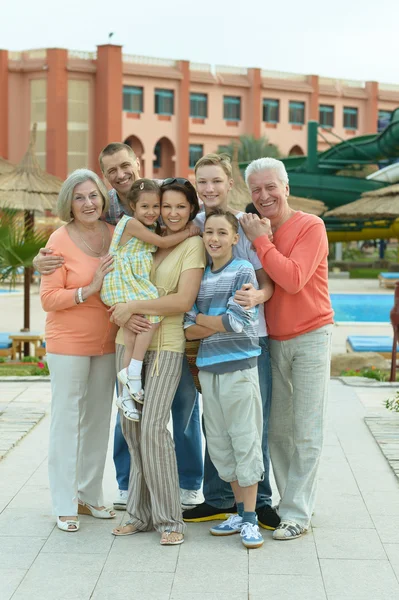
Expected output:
(134, 241)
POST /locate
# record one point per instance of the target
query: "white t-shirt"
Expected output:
(243, 249)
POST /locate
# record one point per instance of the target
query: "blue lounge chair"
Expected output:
(370, 343)
(5, 344)
(388, 280)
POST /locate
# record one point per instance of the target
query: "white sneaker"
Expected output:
(126, 405)
(191, 498)
(120, 500)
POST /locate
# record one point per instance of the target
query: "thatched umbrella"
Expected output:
(27, 187)
(240, 197)
(379, 204)
(5, 166)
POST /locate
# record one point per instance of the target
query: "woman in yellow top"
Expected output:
(154, 493)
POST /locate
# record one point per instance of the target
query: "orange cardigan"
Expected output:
(296, 260)
(74, 329)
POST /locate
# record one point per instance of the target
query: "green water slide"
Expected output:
(314, 175)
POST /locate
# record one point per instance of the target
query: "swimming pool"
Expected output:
(362, 308)
(8, 291)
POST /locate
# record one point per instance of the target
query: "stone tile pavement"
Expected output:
(352, 552)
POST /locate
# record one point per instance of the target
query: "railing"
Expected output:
(28, 54)
(80, 55)
(341, 83)
(283, 75)
(148, 60)
(388, 87)
(15, 55)
(231, 70)
(200, 67)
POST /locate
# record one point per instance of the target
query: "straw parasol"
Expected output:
(27, 187)
(240, 197)
(379, 204)
(5, 166)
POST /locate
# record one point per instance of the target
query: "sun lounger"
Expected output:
(5, 344)
(370, 343)
(388, 280)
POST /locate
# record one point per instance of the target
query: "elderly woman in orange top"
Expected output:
(80, 344)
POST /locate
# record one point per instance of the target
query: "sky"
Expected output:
(345, 39)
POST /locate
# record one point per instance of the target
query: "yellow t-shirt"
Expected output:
(190, 254)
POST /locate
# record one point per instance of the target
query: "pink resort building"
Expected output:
(169, 111)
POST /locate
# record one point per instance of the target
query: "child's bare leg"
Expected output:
(135, 365)
(129, 338)
(245, 497)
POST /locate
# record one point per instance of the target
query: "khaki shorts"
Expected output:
(233, 424)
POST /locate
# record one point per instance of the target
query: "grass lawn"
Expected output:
(7, 370)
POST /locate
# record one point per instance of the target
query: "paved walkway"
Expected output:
(351, 553)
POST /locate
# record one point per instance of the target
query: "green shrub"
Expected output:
(41, 369)
(2, 359)
(370, 373)
(29, 359)
(364, 273)
(393, 403)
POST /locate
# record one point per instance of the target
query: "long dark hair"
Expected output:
(185, 187)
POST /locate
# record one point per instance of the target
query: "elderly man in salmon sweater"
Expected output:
(292, 247)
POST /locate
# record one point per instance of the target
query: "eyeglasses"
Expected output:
(179, 180)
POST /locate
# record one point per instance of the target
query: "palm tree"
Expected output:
(250, 148)
(18, 246)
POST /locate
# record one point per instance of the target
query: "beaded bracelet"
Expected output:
(80, 295)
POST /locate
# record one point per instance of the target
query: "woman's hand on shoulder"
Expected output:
(105, 266)
(46, 262)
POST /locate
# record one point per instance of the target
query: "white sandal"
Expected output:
(65, 525)
(87, 509)
(132, 414)
(124, 378)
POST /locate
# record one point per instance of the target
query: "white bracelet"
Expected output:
(80, 295)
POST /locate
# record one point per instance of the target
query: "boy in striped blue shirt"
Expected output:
(227, 360)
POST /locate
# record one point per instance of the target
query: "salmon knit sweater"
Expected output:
(74, 329)
(296, 260)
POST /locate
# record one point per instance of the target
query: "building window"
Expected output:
(164, 102)
(196, 151)
(132, 99)
(78, 124)
(271, 110)
(199, 106)
(326, 115)
(350, 117)
(38, 114)
(157, 163)
(384, 117)
(296, 114)
(232, 108)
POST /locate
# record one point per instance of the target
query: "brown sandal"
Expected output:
(171, 538)
(118, 531)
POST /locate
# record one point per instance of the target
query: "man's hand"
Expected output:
(254, 227)
(46, 262)
(247, 296)
(121, 313)
(138, 324)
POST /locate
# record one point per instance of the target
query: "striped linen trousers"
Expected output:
(154, 493)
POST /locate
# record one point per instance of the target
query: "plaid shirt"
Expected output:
(116, 209)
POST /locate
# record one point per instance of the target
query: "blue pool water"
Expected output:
(8, 291)
(362, 308)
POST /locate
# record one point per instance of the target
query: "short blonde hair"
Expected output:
(64, 202)
(216, 160)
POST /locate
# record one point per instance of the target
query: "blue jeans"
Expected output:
(186, 434)
(187, 431)
(218, 493)
(121, 456)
